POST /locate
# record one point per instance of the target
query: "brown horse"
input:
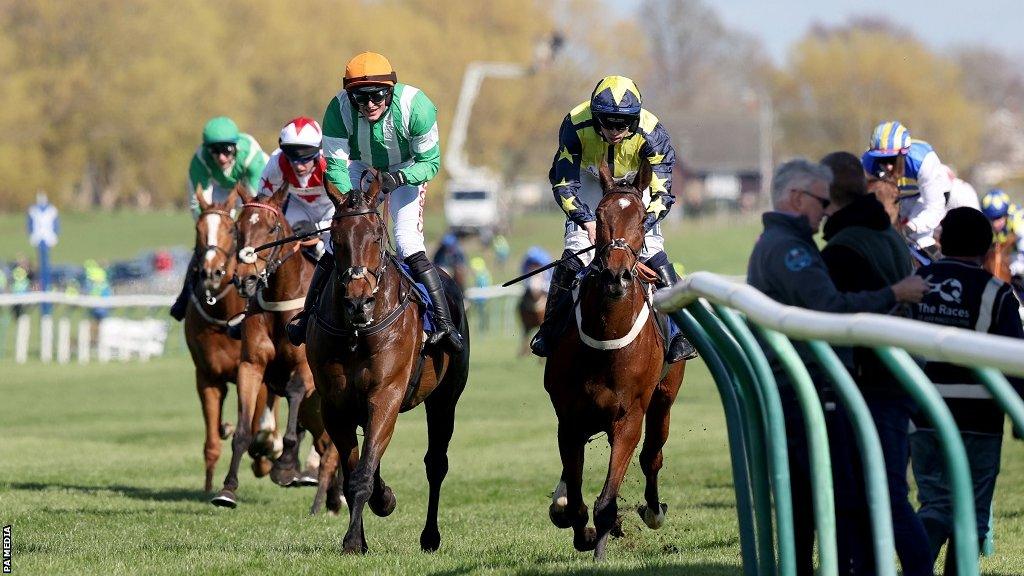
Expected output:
(213, 301)
(274, 283)
(531, 307)
(997, 261)
(609, 375)
(365, 343)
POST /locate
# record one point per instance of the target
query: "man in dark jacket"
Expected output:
(864, 252)
(963, 295)
(787, 266)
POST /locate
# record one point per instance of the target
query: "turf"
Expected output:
(102, 474)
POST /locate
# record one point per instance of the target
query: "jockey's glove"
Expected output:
(389, 181)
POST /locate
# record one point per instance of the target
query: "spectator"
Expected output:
(864, 252)
(787, 266)
(501, 250)
(964, 295)
(481, 279)
(96, 284)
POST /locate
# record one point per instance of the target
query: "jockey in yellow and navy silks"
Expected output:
(923, 180)
(612, 126)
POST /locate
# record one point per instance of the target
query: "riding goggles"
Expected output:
(374, 94)
(221, 148)
(301, 155)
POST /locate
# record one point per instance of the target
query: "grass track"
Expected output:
(102, 474)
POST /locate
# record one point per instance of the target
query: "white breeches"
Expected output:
(405, 209)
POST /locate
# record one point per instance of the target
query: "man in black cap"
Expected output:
(964, 295)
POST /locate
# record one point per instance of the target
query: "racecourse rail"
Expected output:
(710, 309)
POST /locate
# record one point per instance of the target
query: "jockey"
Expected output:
(611, 125)
(921, 176)
(377, 123)
(225, 157)
(298, 162)
(1007, 220)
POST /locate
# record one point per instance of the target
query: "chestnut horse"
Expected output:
(609, 375)
(275, 285)
(531, 307)
(365, 342)
(997, 261)
(213, 301)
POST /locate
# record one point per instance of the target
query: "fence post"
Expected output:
(927, 398)
(737, 446)
(64, 340)
(46, 338)
(21, 336)
(817, 443)
(84, 335)
(872, 460)
(755, 429)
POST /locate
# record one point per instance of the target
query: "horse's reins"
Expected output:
(211, 299)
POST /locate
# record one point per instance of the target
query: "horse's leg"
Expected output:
(211, 396)
(380, 426)
(250, 378)
(567, 508)
(655, 436)
(382, 500)
(440, 427)
(623, 438)
(264, 419)
(325, 478)
(341, 426)
(285, 470)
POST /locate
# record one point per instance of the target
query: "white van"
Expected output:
(471, 206)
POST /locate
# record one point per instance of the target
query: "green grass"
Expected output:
(719, 243)
(102, 474)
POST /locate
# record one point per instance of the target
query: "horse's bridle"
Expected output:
(616, 244)
(358, 272)
(228, 254)
(248, 254)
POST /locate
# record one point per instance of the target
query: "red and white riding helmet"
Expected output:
(301, 131)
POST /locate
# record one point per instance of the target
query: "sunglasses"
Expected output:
(295, 159)
(221, 149)
(825, 202)
(376, 96)
(614, 123)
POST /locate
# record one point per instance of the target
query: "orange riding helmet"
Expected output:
(368, 71)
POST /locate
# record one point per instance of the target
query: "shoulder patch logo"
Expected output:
(797, 259)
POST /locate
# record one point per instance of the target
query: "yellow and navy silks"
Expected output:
(580, 147)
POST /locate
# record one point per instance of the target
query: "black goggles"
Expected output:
(366, 95)
(616, 123)
(221, 149)
(300, 155)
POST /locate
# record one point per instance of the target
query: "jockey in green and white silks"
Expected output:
(376, 123)
(225, 157)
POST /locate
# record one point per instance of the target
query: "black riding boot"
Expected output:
(296, 328)
(558, 296)
(445, 331)
(180, 305)
(680, 348)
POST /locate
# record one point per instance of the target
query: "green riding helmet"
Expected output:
(220, 130)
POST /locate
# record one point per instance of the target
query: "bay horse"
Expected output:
(531, 307)
(609, 374)
(365, 343)
(215, 355)
(275, 286)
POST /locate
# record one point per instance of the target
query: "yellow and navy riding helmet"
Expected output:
(616, 102)
(889, 139)
(995, 204)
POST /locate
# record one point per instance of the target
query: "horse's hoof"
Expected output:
(385, 504)
(226, 430)
(354, 547)
(334, 505)
(307, 477)
(261, 466)
(284, 476)
(224, 499)
(558, 516)
(430, 541)
(586, 541)
(654, 520)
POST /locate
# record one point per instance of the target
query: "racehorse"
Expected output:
(215, 355)
(997, 261)
(274, 286)
(365, 343)
(609, 374)
(531, 307)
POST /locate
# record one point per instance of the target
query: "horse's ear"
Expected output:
(234, 197)
(280, 194)
(372, 191)
(201, 198)
(605, 173)
(335, 195)
(643, 176)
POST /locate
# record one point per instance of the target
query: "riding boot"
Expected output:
(558, 295)
(680, 348)
(181, 302)
(296, 328)
(445, 331)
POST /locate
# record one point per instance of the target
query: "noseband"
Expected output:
(228, 253)
(600, 259)
(248, 254)
(360, 272)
